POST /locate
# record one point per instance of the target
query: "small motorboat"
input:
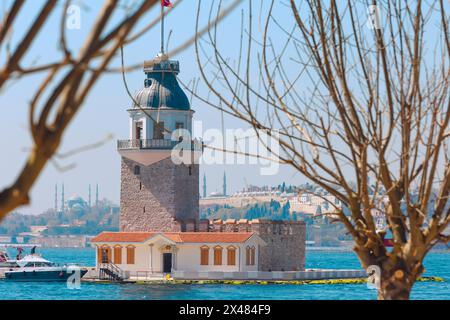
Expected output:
(35, 268)
(6, 261)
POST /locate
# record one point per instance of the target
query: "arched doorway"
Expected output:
(167, 262)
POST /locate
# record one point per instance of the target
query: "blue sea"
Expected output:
(437, 264)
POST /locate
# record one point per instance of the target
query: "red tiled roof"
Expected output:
(123, 236)
(179, 237)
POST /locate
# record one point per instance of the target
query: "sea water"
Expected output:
(436, 264)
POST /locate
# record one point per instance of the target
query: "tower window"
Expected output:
(144, 209)
(158, 130)
(190, 170)
(140, 185)
(139, 130)
(137, 170)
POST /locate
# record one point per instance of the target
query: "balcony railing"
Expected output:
(157, 144)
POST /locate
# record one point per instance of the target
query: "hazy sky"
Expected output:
(104, 111)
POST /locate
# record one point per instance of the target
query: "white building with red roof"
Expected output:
(166, 252)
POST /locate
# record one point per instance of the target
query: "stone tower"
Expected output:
(157, 193)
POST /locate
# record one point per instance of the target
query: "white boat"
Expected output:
(6, 261)
(35, 268)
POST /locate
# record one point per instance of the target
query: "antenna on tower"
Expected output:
(164, 3)
(162, 28)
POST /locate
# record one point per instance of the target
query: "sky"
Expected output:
(104, 111)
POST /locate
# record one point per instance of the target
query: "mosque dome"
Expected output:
(161, 88)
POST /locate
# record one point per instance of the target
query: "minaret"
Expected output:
(224, 184)
(62, 198)
(204, 185)
(90, 201)
(56, 197)
(96, 195)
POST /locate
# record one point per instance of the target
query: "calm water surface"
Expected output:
(437, 264)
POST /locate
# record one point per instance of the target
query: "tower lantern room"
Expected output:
(158, 110)
(161, 106)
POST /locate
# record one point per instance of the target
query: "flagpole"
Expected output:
(162, 29)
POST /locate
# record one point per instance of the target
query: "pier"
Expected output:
(94, 275)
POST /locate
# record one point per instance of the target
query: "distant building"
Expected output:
(5, 239)
(313, 204)
(38, 230)
(76, 202)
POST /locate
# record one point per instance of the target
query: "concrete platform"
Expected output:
(309, 274)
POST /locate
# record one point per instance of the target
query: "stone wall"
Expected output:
(285, 249)
(161, 197)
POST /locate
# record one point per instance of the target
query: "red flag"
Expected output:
(166, 3)
(388, 242)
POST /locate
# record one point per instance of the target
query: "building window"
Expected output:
(204, 256)
(179, 125)
(190, 170)
(143, 209)
(130, 254)
(158, 130)
(250, 256)
(139, 130)
(218, 256)
(140, 185)
(118, 255)
(104, 254)
(231, 256)
(137, 170)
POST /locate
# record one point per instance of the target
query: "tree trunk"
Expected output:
(395, 285)
(394, 290)
(396, 273)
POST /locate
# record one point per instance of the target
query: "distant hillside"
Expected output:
(74, 221)
(271, 210)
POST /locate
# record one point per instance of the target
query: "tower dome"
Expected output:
(161, 88)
